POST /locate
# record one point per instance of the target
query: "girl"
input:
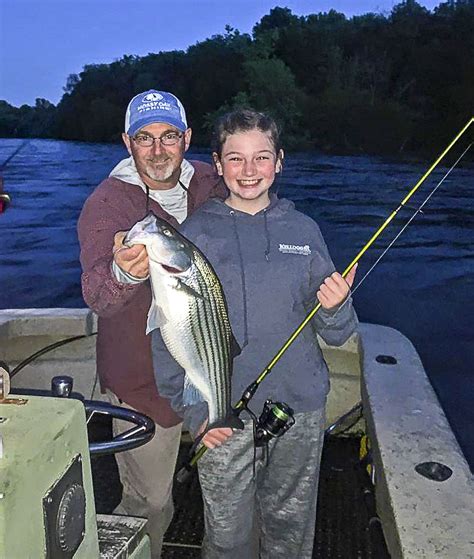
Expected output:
(272, 262)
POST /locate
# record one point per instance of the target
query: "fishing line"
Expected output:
(47, 349)
(419, 210)
(16, 152)
(5, 199)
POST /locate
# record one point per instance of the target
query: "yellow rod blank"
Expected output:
(379, 231)
(370, 242)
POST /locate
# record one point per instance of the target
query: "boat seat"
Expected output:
(424, 487)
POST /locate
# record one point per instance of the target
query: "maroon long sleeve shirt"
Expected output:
(124, 360)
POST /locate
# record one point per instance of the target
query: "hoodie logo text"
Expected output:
(295, 249)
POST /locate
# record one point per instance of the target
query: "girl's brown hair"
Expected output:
(244, 120)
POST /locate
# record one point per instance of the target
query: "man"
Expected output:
(157, 178)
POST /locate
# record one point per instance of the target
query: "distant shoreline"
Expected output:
(397, 84)
(411, 158)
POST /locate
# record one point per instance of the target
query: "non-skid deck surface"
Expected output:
(346, 528)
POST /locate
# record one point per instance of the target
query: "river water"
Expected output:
(423, 286)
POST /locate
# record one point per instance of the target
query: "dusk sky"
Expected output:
(43, 41)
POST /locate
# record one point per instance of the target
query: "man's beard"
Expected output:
(160, 175)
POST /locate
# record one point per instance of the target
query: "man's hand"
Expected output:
(215, 437)
(133, 260)
(335, 289)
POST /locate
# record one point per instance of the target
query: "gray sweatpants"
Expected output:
(274, 514)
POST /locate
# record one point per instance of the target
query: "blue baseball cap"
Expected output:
(154, 106)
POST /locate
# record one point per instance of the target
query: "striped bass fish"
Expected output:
(190, 309)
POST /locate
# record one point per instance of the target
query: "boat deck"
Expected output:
(347, 525)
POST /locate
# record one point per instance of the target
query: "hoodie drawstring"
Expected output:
(242, 268)
(242, 278)
(147, 207)
(267, 235)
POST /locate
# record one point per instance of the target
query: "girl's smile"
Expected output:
(248, 166)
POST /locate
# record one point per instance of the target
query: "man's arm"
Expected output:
(98, 225)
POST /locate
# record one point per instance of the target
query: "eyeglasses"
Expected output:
(146, 140)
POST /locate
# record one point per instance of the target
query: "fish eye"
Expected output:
(167, 232)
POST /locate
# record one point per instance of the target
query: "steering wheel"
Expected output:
(142, 432)
(61, 387)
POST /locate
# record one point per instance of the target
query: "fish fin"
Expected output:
(156, 318)
(180, 284)
(233, 421)
(235, 348)
(191, 394)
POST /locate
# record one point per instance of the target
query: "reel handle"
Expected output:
(184, 474)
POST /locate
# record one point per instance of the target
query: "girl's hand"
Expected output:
(335, 289)
(215, 437)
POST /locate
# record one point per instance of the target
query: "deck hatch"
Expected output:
(434, 471)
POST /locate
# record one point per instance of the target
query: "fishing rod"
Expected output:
(5, 198)
(14, 154)
(249, 392)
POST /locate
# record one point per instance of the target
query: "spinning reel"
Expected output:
(274, 421)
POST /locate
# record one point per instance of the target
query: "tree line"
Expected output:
(387, 84)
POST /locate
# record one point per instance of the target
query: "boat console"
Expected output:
(46, 496)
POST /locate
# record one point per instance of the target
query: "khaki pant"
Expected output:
(146, 474)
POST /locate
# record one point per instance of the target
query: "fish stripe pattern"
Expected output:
(190, 309)
(212, 334)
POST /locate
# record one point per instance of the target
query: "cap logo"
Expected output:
(154, 106)
(152, 97)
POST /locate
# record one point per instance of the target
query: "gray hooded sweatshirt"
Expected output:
(270, 265)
